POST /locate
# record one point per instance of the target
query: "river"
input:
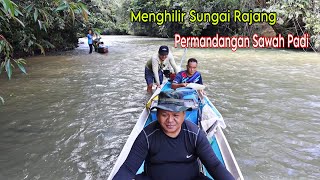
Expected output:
(71, 115)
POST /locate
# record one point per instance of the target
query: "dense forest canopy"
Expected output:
(36, 26)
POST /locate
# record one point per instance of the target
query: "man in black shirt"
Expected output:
(171, 147)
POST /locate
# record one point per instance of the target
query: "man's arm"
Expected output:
(215, 168)
(177, 82)
(135, 158)
(175, 85)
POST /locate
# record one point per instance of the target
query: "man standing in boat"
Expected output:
(191, 75)
(155, 66)
(171, 147)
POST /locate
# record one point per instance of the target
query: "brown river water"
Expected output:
(71, 115)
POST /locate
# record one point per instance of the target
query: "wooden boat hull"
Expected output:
(217, 139)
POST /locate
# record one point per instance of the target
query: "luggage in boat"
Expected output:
(102, 50)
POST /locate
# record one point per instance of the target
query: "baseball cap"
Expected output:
(163, 50)
(171, 100)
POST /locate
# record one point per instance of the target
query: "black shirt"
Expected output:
(172, 158)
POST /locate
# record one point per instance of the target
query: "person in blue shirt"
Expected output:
(172, 147)
(191, 75)
(90, 36)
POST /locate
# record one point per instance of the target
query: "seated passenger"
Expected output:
(101, 45)
(102, 48)
(171, 147)
(191, 75)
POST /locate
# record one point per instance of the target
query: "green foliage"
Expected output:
(72, 8)
(109, 17)
(10, 10)
(304, 16)
(35, 26)
(7, 61)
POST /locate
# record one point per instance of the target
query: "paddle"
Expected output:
(1, 100)
(197, 86)
(183, 57)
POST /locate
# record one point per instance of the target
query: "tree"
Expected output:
(298, 17)
(9, 13)
(34, 26)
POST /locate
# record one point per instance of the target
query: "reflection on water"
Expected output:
(71, 115)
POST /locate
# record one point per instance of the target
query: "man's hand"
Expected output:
(158, 85)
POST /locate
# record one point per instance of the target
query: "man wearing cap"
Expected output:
(171, 147)
(191, 75)
(158, 62)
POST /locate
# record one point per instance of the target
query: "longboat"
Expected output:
(211, 122)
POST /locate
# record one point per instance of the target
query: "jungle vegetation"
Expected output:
(37, 26)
